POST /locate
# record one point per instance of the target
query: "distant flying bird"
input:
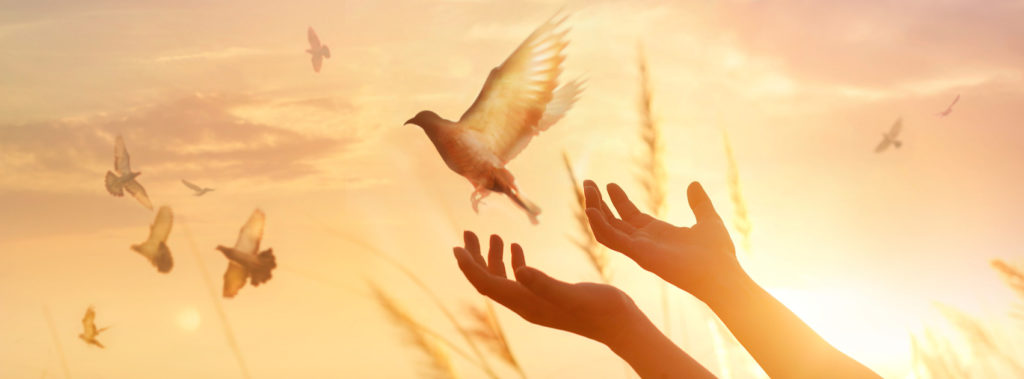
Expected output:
(89, 331)
(124, 180)
(155, 247)
(243, 259)
(318, 51)
(517, 102)
(949, 109)
(200, 191)
(890, 137)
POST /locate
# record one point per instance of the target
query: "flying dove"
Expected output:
(243, 259)
(89, 331)
(949, 109)
(200, 191)
(154, 247)
(518, 101)
(318, 51)
(124, 180)
(890, 137)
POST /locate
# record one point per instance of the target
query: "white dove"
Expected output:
(318, 51)
(155, 247)
(200, 191)
(243, 259)
(89, 331)
(124, 180)
(890, 137)
(518, 101)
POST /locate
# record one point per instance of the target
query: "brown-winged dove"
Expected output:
(124, 179)
(89, 331)
(518, 101)
(318, 51)
(243, 259)
(155, 247)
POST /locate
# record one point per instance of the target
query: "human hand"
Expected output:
(694, 259)
(597, 311)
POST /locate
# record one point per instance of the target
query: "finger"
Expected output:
(518, 260)
(472, 243)
(605, 233)
(546, 287)
(701, 205)
(494, 263)
(594, 201)
(480, 279)
(505, 292)
(627, 210)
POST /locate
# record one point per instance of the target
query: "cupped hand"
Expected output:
(596, 311)
(694, 259)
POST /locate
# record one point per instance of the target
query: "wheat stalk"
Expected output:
(440, 365)
(934, 356)
(595, 253)
(741, 220)
(56, 342)
(489, 332)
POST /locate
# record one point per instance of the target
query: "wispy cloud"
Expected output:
(226, 53)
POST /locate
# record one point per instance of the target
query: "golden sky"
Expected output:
(859, 244)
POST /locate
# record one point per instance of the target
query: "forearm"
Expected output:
(652, 355)
(782, 344)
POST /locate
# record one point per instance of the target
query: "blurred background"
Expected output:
(886, 255)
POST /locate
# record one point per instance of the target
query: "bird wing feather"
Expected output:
(314, 41)
(251, 233)
(121, 157)
(191, 185)
(133, 187)
(318, 61)
(161, 228)
(234, 278)
(896, 128)
(88, 323)
(514, 98)
(882, 146)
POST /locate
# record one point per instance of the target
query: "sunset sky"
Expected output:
(860, 245)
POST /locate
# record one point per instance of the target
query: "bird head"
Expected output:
(424, 119)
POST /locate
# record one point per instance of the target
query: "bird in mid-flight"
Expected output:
(200, 191)
(316, 49)
(124, 179)
(949, 109)
(245, 259)
(155, 247)
(890, 138)
(89, 331)
(518, 101)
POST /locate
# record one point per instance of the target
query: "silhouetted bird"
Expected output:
(243, 258)
(89, 331)
(318, 51)
(517, 102)
(200, 191)
(949, 109)
(124, 180)
(154, 247)
(890, 137)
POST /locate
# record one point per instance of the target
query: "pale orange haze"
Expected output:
(860, 245)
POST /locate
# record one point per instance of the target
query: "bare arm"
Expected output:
(701, 260)
(597, 311)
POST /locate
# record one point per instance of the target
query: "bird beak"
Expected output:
(409, 121)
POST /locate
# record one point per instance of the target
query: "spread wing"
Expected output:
(191, 185)
(133, 187)
(883, 145)
(234, 278)
(957, 98)
(121, 157)
(251, 233)
(563, 99)
(161, 227)
(88, 324)
(896, 127)
(314, 41)
(507, 111)
(318, 61)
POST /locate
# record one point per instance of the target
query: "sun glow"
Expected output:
(189, 319)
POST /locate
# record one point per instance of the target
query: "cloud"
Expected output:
(196, 136)
(226, 53)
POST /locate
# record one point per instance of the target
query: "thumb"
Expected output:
(700, 204)
(544, 286)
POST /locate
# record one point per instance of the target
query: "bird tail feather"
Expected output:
(897, 144)
(505, 183)
(267, 263)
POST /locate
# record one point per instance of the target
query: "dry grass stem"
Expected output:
(440, 365)
(595, 253)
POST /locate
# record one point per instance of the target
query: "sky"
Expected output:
(860, 245)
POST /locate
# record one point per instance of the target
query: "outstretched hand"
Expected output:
(596, 311)
(690, 258)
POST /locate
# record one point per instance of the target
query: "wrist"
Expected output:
(726, 287)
